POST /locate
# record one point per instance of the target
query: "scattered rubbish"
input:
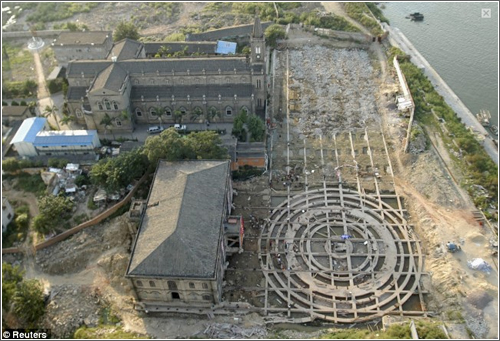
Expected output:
(479, 264)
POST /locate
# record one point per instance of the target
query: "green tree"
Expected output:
(126, 30)
(273, 33)
(54, 210)
(107, 122)
(212, 113)
(256, 127)
(196, 114)
(66, 119)
(178, 116)
(159, 112)
(28, 302)
(116, 173)
(11, 165)
(171, 146)
(11, 277)
(205, 145)
(52, 110)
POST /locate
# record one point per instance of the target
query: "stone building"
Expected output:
(82, 45)
(180, 249)
(117, 93)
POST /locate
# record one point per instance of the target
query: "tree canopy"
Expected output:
(54, 210)
(273, 33)
(126, 30)
(252, 123)
(22, 301)
(172, 146)
(116, 173)
(28, 302)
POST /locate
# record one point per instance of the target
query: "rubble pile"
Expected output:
(334, 89)
(231, 331)
(74, 254)
(71, 306)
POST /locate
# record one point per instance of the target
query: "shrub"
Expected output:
(14, 104)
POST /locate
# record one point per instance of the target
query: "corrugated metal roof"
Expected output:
(64, 137)
(28, 130)
(225, 47)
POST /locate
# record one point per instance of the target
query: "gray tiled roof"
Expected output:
(195, 65)
(90, 68)
(82, 38)
(207, 47)
(125, 49)
(164, 66)
(76, 92)
(181, 228)
(111, 78)
(195, 91)
(222, 33)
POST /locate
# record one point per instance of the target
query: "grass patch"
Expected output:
(361, 13)
(30, 183)
(52, 11)
(425, 330)
(105, 332)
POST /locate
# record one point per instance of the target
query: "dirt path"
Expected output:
(337, 9)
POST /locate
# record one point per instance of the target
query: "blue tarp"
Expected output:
(225, 47)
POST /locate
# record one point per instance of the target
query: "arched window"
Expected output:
(207, 297)
(78, 113)
(168, 111)
(118, 122)
(229, 111)
(115, 105)
(152, 284)
(183, 110)
(99, 105)
(107, 104)
(204, 285)
(172, 285)
(138, 112)
(191, 285)
(139, 283)
(152, 111)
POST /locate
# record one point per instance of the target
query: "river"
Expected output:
(460, 45)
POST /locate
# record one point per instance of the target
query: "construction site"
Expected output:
(331, 239)
(341, 228)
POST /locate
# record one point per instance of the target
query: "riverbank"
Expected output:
(398, 39)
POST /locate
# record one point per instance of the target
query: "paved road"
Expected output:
(397, 37)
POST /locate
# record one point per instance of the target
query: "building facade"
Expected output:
(115, 94)
(93, 45)
(179, 253)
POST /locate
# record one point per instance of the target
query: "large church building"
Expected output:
(127, 88)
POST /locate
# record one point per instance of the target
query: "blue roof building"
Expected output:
(34, 139)
(225, 47)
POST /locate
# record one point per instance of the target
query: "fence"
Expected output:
(96, 220)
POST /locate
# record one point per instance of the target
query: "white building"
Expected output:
(7, 213)
(33, 138)
(26, 134)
